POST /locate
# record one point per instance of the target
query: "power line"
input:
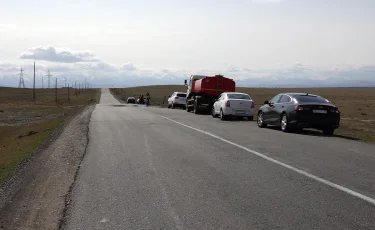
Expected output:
(49, 75)
(21, 83)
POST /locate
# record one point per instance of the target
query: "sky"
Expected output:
(166, 41)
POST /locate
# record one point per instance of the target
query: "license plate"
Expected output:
(240, 112)
(319, 111)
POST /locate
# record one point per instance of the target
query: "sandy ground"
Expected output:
(35, 196)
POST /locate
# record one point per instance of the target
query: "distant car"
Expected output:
(233, 104)
(295, 111)
(131, 100)
(177, 99)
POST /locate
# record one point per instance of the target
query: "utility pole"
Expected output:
(69, 93)
(34, 86)
(65, 82)
(56, 91)
(42, 82)
(75, 88)
(21, 83)
(49, 75)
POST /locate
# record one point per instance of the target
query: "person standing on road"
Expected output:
(147, 99)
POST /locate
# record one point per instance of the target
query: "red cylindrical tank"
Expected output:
(214, 86)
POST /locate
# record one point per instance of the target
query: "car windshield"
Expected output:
(181, 95)
(238, 96)
(310, 98)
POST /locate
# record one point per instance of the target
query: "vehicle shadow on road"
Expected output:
(234, 119)
(309, 132)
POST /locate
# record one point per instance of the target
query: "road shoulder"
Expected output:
(34, 197)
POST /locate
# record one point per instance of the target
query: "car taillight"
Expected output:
(302, 108)
(252, 104)
(299, 108)
(227, 104)
(335, 110)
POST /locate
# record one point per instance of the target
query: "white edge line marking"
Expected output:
(331, 184)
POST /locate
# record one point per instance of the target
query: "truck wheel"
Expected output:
(196, 107)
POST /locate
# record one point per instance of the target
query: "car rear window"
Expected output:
(181, 95)
(309, 98)
(238, 96)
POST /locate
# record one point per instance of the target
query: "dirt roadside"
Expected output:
(34, 197)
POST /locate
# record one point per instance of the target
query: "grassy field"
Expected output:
(24, 125)
(357, 105)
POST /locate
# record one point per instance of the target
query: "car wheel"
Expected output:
(222, 116)
(284, 123)
(250, 118)
(260, 120)
(213, 112)
(328, 131)
(169, 106)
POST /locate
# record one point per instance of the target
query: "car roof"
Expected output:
(300, 94)
(236, 93)
(180, 92)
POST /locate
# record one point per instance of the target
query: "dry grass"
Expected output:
(45, 97)
(357, 105)
(19, 116)
(14, 150)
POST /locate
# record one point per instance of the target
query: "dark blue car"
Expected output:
(295, 111)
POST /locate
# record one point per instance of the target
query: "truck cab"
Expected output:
(191, 80)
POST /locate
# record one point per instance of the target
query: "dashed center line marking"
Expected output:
(316, 178)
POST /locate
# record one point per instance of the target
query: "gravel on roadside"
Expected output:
(34, 196)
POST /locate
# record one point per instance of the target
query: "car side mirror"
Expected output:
(266, 102)
(185, 82)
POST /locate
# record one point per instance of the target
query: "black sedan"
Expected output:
(295, 111)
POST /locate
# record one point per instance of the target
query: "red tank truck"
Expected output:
(202, 91)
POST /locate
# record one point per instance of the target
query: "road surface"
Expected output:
(153, 168)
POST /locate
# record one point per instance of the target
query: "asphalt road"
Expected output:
(153, 168)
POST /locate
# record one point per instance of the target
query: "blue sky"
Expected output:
(165, 39)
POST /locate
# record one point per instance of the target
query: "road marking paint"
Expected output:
(165, 197)
(321, 180)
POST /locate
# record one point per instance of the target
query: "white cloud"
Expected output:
(128, 67)
(79, 65)
(52, 54)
